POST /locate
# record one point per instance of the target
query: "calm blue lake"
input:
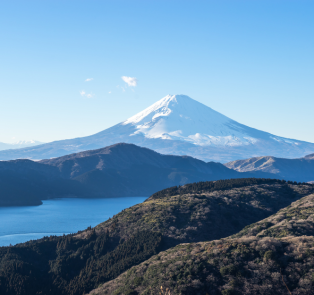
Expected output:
(57, 217)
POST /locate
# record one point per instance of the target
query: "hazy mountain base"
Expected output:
(19, 144)
(275, 255)
(164, 146)
(198, 212)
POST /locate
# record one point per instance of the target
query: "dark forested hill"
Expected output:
(115, 171)
(24, 182)
(205, 211)
(128, 170)
(290, 169)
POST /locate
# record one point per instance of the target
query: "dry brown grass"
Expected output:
(164, 292)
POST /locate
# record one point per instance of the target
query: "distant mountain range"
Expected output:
(290, 169)
(19, 144)
(114, 171)
(177, 125)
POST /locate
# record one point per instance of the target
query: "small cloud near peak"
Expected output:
(131, 81)
(89, 79)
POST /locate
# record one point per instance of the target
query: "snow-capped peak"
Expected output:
(180, 117)
(161, 106)
(177, 125)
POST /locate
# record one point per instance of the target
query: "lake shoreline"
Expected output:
(40, 202)
(58, 216)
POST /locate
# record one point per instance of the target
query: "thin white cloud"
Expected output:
(109, 92)
(88, 95)
(131, 81)
(89, 79)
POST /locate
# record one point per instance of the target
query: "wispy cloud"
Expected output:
(109, 92)
(89, 79)
(131, 81)
(88, 95)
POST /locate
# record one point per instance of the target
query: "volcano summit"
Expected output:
(178, 125)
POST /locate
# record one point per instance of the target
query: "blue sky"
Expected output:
(251, 60)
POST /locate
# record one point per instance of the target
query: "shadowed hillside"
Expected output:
(128, 170)
(24, 182)
(205, 211)
(272, 256)
(121, 170)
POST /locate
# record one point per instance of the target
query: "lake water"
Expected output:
(57, 217)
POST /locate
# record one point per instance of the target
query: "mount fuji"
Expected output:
(178, 125)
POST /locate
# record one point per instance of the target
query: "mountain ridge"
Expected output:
(178, 125)
(119, 170)
(301, 169)
(19, 144)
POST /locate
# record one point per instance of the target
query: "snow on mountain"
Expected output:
(30, 142)
(178, 125)
(178, 117)
(19, 144)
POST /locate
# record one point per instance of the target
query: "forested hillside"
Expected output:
(272, 256)
(206, 211)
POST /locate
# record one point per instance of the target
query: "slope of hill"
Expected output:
(25, 183)
(75, 264)
(129, 170)
(178, 125)
(291, 221)
(309, 157)
(272, 256)
(115, 171)
(290, 169)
